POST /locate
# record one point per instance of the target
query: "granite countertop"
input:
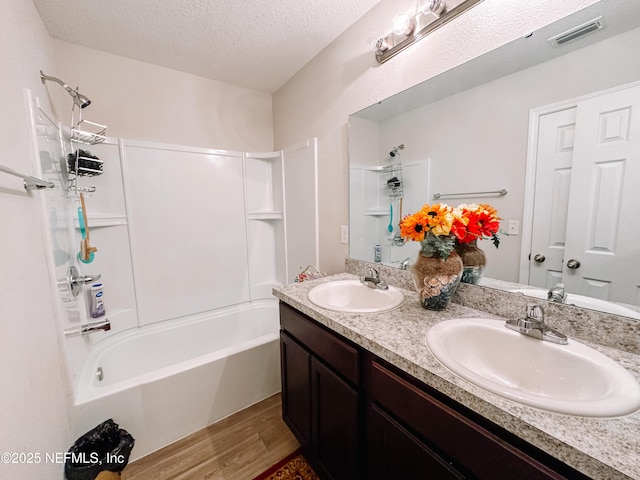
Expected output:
(602, 448)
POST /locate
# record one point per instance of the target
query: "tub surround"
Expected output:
(602, 448)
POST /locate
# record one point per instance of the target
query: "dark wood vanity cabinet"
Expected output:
(320, 395)
(359, 417)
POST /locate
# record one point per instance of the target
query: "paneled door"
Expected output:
(587, 194)
(556, 134)
(602, 255)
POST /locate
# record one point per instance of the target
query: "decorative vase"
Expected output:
(436, 279)
(474, 261)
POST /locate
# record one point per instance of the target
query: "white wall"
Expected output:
(137, 100)
(345, 78)
(33, 412)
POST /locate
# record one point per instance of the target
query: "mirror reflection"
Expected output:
(546, 133)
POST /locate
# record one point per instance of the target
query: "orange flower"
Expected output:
(413, 227)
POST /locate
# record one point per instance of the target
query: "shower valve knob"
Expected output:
(74, 280)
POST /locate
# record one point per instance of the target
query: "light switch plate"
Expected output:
(344, 234)
(513, 227)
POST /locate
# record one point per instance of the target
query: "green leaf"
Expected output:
(495, 239)
(437, 246)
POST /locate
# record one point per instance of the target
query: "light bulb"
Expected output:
(435, 7)
(402, 24)
(377, 42)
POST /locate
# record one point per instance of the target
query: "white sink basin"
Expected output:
(584, 302)
(572, 379)
(353, 297)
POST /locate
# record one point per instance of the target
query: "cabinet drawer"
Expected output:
(393, 452)
(468, 444)
(338, 354)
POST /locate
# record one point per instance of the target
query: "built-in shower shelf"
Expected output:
(103, 220)
(266, 215)
(377, 212)
(384, 168)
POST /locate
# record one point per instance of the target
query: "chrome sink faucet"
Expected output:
(372, 280)
(557, 293)
(404, 265)
(533, 325)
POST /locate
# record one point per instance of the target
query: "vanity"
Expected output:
(367, 399)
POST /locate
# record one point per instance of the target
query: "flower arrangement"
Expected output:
(438, 226)
(431, 226)
(475, 222)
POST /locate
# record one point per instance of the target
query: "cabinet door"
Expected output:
(335, 424)
(393, 452)
(296, 388)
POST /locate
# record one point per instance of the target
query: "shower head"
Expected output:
(395, 152)
(79, 99)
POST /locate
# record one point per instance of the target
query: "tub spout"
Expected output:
(88, 328)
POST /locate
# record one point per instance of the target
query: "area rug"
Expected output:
(292, 467)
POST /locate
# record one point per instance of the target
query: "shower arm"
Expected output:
(78, 98)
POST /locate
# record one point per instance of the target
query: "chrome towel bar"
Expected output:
(30, 183)
(501, 193)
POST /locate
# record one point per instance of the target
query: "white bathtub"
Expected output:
(164, 381)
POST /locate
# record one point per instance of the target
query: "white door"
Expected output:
(553, 178)
(603, 229)
(585, 230)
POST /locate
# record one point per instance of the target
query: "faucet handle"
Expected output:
(535, 312)
(373, 272)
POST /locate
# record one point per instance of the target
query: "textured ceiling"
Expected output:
(252, 43)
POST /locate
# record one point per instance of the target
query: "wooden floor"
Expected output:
(239, 447)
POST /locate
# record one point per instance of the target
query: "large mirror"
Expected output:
(479, 133)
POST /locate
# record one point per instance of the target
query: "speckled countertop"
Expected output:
(602, 448)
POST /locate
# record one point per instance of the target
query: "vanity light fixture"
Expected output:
(407, 29)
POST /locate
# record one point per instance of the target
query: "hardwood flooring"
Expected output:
(239, 447)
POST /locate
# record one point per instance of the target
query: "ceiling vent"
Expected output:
(577, 32)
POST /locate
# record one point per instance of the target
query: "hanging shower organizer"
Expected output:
(393, 184)
(80, 162)
(389, 178)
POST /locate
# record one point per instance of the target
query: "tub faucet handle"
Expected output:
(74, 280)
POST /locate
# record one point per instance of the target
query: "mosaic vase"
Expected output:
(436, 279)
(474, 261)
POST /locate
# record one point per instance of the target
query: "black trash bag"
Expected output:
(106, 447)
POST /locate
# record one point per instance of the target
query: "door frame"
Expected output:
(530, 170)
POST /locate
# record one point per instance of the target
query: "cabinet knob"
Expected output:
(573, 264)
(539, 258)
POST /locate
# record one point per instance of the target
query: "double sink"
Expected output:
(571, 379)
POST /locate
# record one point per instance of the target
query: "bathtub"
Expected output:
(164, 381)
